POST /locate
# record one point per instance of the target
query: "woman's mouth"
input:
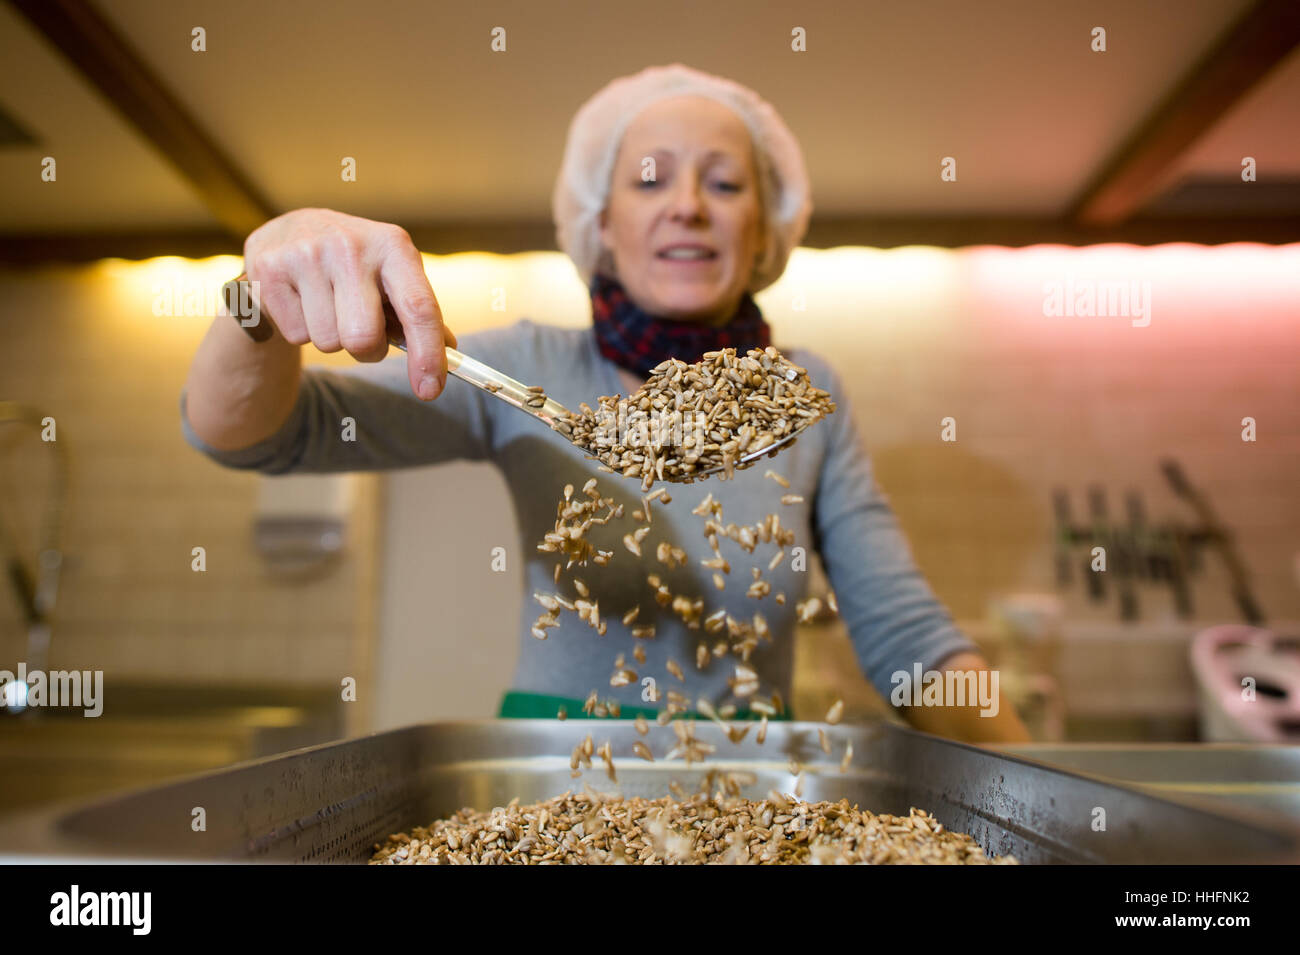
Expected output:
(686, 252)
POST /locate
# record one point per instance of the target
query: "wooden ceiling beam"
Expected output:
(95, 48)
(1252, 46)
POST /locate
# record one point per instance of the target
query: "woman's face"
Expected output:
(685, 242)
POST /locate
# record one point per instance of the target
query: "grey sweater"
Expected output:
(892, 616)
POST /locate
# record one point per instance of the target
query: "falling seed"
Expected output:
(835, 713)
(848, 757)
(777, 478)
(824, 740)
(791, 499)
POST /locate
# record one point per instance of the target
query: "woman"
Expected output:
(680, 195)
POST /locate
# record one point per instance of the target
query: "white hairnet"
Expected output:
(582, 188)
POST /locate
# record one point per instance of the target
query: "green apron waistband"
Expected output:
(533, 706)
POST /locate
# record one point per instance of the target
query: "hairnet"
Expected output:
(582, 188)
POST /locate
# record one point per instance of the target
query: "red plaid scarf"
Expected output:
(638, 341)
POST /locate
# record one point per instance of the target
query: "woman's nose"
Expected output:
(686, 200)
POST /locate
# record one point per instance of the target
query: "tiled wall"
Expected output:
(83, 346)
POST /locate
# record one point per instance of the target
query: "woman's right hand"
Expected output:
(323, 276)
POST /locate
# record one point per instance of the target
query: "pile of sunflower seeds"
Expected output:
(700, 829)
(722, 408)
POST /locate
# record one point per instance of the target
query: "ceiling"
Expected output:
(448, 133)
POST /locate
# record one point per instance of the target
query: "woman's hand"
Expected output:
(323, 277)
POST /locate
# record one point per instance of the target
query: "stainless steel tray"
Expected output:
(332, 803)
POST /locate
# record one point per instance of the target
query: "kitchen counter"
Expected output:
(1238, 775)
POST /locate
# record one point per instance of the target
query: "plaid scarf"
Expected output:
(638, 341)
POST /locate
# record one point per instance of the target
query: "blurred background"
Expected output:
(141, 141)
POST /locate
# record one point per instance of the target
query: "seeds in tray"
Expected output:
(712, 413)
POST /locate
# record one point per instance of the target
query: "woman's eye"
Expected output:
(728, 186)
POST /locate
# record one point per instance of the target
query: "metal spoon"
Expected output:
(237, 294)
